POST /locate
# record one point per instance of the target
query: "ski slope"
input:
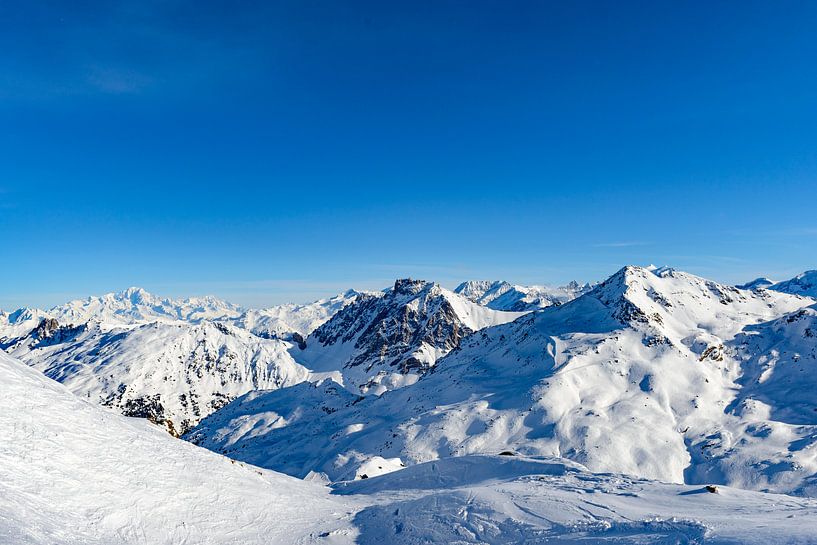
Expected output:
(71, 472)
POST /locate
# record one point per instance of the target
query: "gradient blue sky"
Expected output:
(275, 151)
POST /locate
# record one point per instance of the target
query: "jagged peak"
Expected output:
(483, 285)
(24, 313)
(410, 286)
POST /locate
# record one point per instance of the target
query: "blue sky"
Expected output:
(284, 151)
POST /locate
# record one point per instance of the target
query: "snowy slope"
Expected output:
(509, 500)
(387, 340)
(501, 295)
(175, 373)
(638, 376)
(71, 473)
(804, 284)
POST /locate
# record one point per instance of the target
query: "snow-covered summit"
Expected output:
(135, 305)
(804, 284)
(19, 323)
(501, 295)
(758, 283)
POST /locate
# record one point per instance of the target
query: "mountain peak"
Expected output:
(137, 305)
(804, 284)
(483, 291)
(502, 295)
(410, 286)
(134, 294)
(387, 340)
(757, 283)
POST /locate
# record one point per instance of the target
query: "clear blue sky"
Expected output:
(287, 150)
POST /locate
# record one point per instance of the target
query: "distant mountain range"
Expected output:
(653, 372)
(501, 295)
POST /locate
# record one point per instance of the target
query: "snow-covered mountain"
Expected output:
(173, 361)
(804, 284)
(643, 375)
(501, 295)
(387, 340)
(173, 373)
(135, 305)
(19, 323)
(292, 322)
(757, 283)
(71, 472)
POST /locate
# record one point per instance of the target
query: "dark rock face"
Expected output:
(50, 334)
(46, 328)
(391, 328)
(298, 339)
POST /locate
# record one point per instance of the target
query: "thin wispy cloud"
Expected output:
(118, 80)
(623, 244)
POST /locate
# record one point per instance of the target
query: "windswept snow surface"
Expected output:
(73, 473)
(648, 375)
(507, 500)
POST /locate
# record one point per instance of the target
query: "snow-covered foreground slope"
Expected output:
(71, 472)
(639, 376)
(500, 295)
(507, 500)
(389, 339)
(174, 373)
